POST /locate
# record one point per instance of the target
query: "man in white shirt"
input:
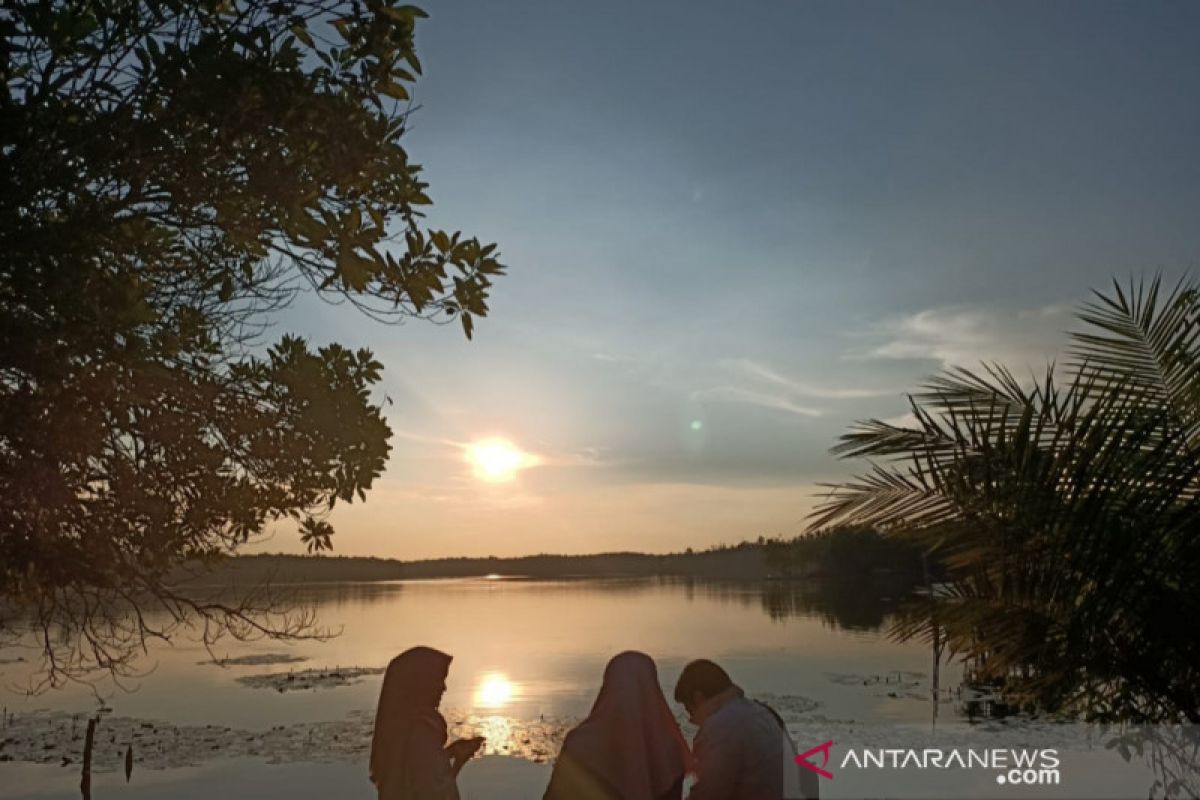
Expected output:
(742, 750)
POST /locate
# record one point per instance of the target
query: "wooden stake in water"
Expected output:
(936, 689)
(85, 783)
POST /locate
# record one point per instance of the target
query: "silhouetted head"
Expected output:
(416, 679)
(631, 665)
(700, 681)
(628, 677)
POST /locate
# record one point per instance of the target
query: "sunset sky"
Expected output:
(733, 229)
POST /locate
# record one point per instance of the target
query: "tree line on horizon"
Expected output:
(834, 554)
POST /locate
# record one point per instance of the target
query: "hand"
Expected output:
(462, 750)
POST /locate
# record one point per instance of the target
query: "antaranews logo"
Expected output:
(803, 761)
(1028, 767)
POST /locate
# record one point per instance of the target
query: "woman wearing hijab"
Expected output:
(409, 756)
(629, 747)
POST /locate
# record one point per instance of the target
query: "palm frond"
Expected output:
(1149, 346)
(1065, 514)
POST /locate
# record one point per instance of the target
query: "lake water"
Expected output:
(528, 657)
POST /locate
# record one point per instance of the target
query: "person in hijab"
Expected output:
(630, 746)
(409, 756)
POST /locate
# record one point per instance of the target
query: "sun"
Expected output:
(494, 690)
(497, 460)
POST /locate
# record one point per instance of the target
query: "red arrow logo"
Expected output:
(803, 761)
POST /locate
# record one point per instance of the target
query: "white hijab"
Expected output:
(630, 740)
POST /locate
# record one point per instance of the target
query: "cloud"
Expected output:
(908, 420)
(758, 384)
(739, 394)
(967, 336)
(764, 373)
(439, 441)
(614, 359)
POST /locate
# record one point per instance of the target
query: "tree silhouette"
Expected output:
(173, 172)
(1065, 514)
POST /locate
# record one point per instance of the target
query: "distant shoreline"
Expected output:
(845, 555)
(743, 562)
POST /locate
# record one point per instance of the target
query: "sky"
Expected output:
(734, 229)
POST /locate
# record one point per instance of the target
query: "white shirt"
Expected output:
(742, 754)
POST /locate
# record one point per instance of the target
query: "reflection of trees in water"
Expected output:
(341, 594)
(840, 604)
(1171, 751)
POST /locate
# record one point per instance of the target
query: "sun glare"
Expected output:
(494, 690)
(497, 460)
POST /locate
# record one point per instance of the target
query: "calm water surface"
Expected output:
(525, 647)
(528, 655)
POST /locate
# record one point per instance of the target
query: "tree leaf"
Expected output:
(393, 90)
(301, 33)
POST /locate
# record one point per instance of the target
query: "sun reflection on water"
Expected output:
(494, 691)
(498, 731)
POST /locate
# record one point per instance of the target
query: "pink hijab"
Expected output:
(630, 740)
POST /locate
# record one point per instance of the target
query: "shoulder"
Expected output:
(580, 734)
(724, 724)
(581, 737)
(733, 719)
(733, 712)
(572, 779)
(771, 712)
(571, 738)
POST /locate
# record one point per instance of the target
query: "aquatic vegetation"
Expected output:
(256, 659)
(304, 680)
(57, 737)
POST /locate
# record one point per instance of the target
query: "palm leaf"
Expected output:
(1065, 515)
(1148, 345)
